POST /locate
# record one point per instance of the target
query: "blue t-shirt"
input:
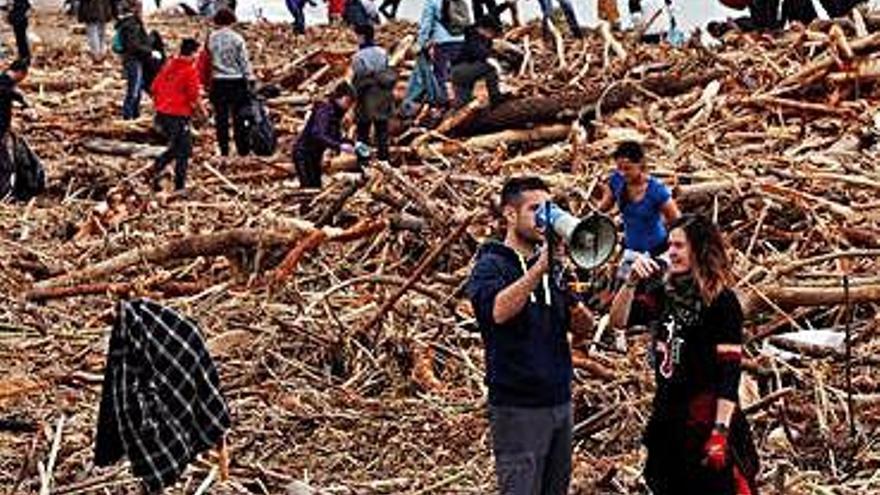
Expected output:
(643, 227)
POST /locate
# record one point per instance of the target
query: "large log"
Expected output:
(489, 141)
(566, 104)
(167, 288)
(817, 69)
(122, 148)
(790, 297)
(212, 244)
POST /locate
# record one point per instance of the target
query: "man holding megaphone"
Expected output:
(524, 311)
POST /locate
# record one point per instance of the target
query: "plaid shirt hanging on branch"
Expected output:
(161, 403)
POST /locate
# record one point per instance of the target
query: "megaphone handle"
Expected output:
(551, 238)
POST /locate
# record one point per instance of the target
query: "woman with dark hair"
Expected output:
(230, 72)
(323, 131)
(697, 438)
(644, 201)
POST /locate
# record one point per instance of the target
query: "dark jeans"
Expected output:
(19, 23)
(228, 97)
(444, 54)
(308, 168)
(532, 448)
(299, 19)
(466, 75)
(567, 10)
(133, 70)
(176, 130)
(363, 134)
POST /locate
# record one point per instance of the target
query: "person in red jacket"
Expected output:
(176, 95)
(335, 8)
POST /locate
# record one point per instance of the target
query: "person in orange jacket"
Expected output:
(176, 92)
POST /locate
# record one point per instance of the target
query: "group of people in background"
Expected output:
(455, 52)
(775, 14)
(219, 67)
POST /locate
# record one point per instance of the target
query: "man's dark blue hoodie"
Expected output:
(528, 359)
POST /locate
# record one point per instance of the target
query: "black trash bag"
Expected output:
(7, 173)
(258, 127)
(29, 177)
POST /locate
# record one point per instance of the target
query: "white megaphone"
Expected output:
(591, 240)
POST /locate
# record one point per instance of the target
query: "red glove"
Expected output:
(716, 450)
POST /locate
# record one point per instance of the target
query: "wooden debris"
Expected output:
(339, 317)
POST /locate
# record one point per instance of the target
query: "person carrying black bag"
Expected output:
(231, 72)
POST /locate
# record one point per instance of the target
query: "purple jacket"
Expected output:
(322, 131)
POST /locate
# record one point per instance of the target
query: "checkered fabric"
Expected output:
(161, 403)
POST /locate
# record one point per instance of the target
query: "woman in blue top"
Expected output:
(646, 204)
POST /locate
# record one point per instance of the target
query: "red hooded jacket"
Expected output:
(176, 88)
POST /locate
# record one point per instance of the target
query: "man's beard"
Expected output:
(529, 237)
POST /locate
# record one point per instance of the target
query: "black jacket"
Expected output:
(8, 94)
(18, 11)
(161, 403)
(476, 48)
(528, 359)
(135, 40)
(96, 11)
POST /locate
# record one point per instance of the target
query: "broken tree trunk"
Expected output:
(213, 244)
(790, 297)
(168, 289)
(420, 270)
(816, 70)
(122, 148)
(520, 112)
(316, 237)
(491, 141)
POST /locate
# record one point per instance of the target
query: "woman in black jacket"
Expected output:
(137, 52)
(697, 438)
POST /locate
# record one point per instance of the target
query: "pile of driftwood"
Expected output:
(345, 343)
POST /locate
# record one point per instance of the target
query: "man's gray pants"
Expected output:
(532, 448)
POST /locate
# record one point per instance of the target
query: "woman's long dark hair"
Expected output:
(710, 263)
